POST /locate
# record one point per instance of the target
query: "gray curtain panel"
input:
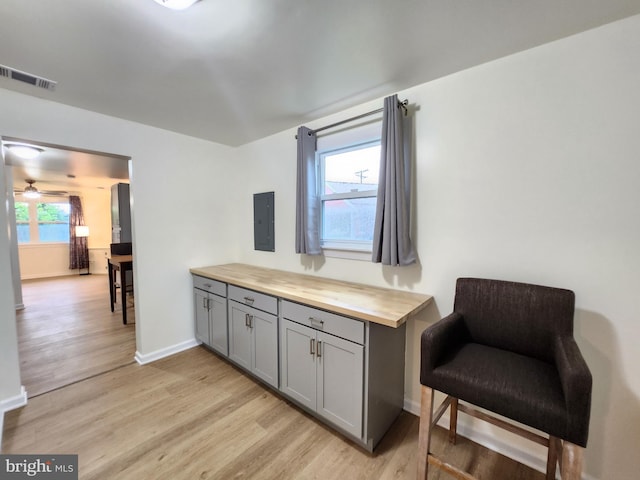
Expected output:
(78, 249)
(307, 201)
(391, 240)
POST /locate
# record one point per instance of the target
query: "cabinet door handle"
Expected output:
(208, 304)
(249, 300)
(319, 349)
(316, 323)
(248, 320)
(312, 345)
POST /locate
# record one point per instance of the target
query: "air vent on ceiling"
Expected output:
(25, 77)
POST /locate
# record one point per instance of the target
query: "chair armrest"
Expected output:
(440, 338)
(576, 381)
(573, 370)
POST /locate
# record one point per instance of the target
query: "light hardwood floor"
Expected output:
(67, 332)
(195, 416)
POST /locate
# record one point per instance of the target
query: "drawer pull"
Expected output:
(316, 323)
(312, 344)
(249, 300)
(207, 285)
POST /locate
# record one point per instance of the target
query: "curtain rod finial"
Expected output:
(404, 105)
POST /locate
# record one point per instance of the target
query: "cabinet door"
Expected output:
(298, 363)
(340, 382)
(239, 335)
(202, 316)
(218, 324)
(264, 359)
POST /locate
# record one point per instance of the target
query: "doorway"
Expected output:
(66, 330)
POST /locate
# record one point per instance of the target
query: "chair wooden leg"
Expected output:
(552, 457)
(571, 465)
(424, 435)
(453, 421)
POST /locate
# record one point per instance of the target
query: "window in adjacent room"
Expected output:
(22, 222)
(42, 222)
(348, 187)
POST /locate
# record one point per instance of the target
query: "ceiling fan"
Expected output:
(30, 191)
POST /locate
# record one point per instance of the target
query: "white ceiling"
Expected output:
(63, 169)
(233, 71)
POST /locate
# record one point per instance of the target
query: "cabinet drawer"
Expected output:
(344, 327)
(211, 286)
(263, 302)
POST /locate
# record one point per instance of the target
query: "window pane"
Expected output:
(352, 171)
(24, 235)
(53, 222)
(22, 222)
(349, 219)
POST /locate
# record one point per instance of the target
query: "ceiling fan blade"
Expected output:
(54, 193)
(51, 193)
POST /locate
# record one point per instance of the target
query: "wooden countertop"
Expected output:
(373, 304)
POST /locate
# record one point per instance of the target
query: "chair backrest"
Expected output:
(124, 248)
(518, 317)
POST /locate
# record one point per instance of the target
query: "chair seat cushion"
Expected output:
(521, 388)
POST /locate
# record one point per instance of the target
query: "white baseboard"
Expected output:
(39, 276)
(492, 443)
(144, 358)
(12, 403)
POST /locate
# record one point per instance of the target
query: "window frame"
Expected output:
(34, 231)
(353, 249)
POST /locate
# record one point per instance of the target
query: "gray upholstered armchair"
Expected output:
(508, 348)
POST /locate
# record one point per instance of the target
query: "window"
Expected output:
(42, 221)
(22, 222)
(348, 187)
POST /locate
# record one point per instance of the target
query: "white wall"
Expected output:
(96, 208)
(174, 228)
(44, 260)
(527, 169)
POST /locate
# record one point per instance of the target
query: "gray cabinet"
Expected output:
(345, 371)
(298, 363)
(200, 299)
(322, 360)
(210, 307)
(323, 373)
(340, 379)
(253, 333)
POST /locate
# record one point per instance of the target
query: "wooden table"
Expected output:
(384, 306)
(124, 263)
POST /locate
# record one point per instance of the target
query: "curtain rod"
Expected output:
(403, 104)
